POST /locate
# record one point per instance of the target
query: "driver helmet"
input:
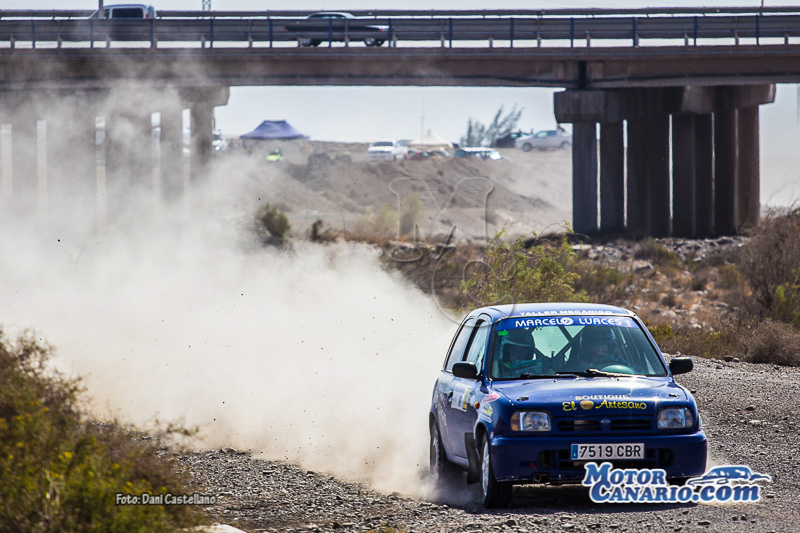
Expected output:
(517, 346)
(597, 342)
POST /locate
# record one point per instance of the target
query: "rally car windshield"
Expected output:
(569, 346)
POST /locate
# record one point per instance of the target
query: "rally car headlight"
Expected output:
(675, 418)
(530, 421)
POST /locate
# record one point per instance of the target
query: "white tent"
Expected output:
(430, 141)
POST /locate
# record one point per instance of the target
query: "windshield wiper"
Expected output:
(590, 372)
(567, 374)
(525, 375)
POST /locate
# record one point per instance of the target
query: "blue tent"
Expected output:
(274, 129)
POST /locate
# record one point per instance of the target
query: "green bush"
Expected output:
(514, 272)
(61, 471)
(272, 224)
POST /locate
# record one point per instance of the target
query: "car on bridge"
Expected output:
(126, 11)
(529, 393)
(336, 26)
(544, 140)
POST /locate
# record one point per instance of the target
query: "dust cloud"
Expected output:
(314, 354)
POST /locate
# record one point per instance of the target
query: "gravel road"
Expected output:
(750, 413)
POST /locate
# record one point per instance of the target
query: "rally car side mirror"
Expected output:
(465, 370)
(681, 365)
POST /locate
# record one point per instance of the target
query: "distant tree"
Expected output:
(481, 135)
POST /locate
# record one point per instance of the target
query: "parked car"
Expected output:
(544, 140)
(386, 151)
(126, 11)
(529, 393)
(423, 155)
(508, 140)
(331, 25)
(479, 153)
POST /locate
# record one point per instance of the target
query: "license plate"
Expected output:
(591, 452)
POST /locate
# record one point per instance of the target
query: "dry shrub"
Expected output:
(770, 263)
(657, 254)
(773, 343)
(698, 341)
(271, 224)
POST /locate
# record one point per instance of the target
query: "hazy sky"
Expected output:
(369, 113)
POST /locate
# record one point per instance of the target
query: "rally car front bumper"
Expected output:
(544, 458)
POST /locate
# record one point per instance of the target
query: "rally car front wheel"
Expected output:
(495, 493)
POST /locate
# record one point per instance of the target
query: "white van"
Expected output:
(126, 11)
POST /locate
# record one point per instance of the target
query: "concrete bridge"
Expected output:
(688, 80)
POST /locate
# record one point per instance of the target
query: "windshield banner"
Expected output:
(618, 321)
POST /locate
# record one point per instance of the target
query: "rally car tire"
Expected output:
(442, 470)
(495, 494)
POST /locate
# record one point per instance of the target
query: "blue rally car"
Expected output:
(529, 393)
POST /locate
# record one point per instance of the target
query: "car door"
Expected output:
(445, 384)
(461, 411)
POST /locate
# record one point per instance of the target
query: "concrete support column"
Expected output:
(704, 176)
(24, 153)
(202, 127)
(684, 175)
(584, 178)
(749, 203)
(638, 184)
(171, 148)
(612, 177)
(72, 157)
(725, 172)
(658, 173)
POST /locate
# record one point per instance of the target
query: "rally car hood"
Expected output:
(598, 395)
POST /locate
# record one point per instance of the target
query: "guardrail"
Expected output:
(435, 13)
(632, 30)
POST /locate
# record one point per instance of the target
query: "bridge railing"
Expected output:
(622, 30)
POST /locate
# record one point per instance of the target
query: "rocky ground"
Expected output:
(749, 413)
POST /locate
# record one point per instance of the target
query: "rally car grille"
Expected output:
(604, 424)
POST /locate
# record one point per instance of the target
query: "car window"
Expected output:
(548, 345)
(541, 134)
(128, 13)
(457, 350)
(477, 348)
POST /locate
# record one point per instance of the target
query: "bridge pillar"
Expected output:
(684, 175)
(24, 157)
(725, 172)
(612, 178)
(715, 160)
(129, 155)
(638, 184)
(704, 176)
(748, 162)
(71, 156)
(584, 178)
(171, 147)
(657, 153)
(201, 103)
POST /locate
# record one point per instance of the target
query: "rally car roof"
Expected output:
(544, 309)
